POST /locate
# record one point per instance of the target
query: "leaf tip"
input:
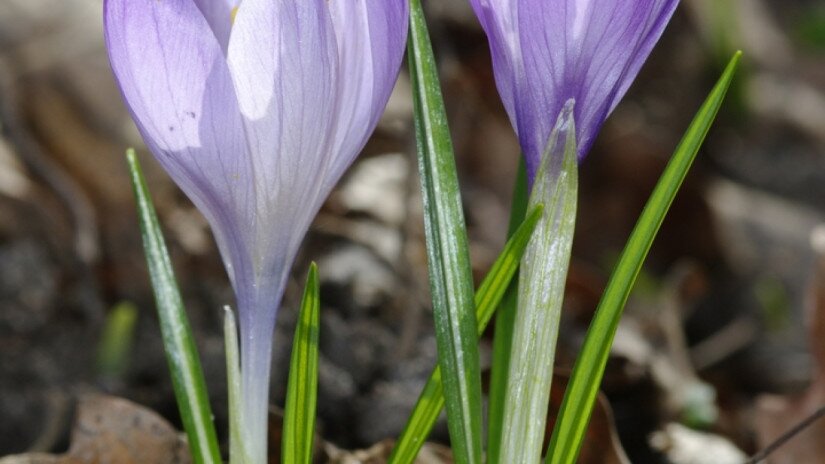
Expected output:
(538, 209)
(312, 276)
(734, 61)
(228, 316)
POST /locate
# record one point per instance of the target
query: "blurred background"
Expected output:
(721, 347)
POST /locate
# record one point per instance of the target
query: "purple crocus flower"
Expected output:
(255, 109)
(546, 52)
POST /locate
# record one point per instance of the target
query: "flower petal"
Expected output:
(499, 20)
(283, 61)
(218, 14)
(370, 37)
(586, 50)
(174, 79)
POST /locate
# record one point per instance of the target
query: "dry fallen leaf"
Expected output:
(112, 430)
(32, 458)
(327, 453)
(431, 453)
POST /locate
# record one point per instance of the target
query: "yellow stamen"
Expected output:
(234, 12)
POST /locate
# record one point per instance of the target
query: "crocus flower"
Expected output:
(563, 64)
(546, 52)
(255, 109)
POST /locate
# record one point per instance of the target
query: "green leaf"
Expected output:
(542, 279)
(505, 321)
(577, 405)
(181, 352)
(237, 448)
(451, 282)
(116, 342)
(302, 389)
(487, 299)
(498, 279)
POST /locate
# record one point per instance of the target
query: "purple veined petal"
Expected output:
(587, 50)
(370, 37)
(282, 59)
(499, 20)
(177, 86)
(218, 14)
(661, 12)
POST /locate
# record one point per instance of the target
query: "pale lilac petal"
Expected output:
(218, 14)
(370, 37)
(177, 86)
(282, 57)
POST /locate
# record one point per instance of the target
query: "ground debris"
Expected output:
(114, 430)
(682, 445)
(776, 415)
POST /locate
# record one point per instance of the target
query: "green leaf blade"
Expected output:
(505, 323)
(447, 250)
(237, 447)
(117, 340)
(487, 299)
(302, 387)
(494, 286)
(179, 344)
(587, 374)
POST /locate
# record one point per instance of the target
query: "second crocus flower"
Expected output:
(561, 67)
(255, 109)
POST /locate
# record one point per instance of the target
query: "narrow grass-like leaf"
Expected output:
(117, 339)
(487, 299)
(181, 352)
(302, 389)
(448, 256)
(498, 279)
(542, 279)
(505, 321)
(577, 405)
(237, 447)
